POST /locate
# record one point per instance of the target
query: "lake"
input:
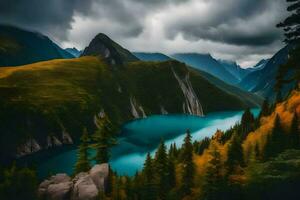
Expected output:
(141, 136)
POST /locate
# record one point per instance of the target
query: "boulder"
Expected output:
(99, 174)
(58, 187)
(60, 191)
(84, 188)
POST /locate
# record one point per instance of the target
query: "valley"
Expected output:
(140, 100)
(140, 136)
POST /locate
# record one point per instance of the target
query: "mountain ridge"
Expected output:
(19, 47)
(112, 52)
(207, 63)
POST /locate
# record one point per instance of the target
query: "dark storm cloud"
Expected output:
(51, 16)
(230, 28)
(237, 22)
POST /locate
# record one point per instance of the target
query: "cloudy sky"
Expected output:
(241, 30)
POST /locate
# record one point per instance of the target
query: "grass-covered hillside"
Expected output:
(45, 98)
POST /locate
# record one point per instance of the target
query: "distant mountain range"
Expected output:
(207, 63)
(75, 52)
(151, 56)
(262, 80)
(235, 69)
(259, 79)
(19, 47)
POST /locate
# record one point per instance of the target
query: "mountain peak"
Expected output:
(113, 53)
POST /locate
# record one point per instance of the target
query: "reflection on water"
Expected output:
(141, 136)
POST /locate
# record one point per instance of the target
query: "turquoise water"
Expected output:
(141, 136)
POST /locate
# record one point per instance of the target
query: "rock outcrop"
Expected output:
(58, 187)
(192, 104)
(66, 138)
(30, 146)
(84, 186)
(53, 141)
(163, 110)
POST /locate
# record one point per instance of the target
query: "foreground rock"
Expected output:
(85, 185)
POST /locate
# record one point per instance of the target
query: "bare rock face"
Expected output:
(137, 111)
(192, 104)
(29, 147)
(100, 174)
(110, 51)
(58, 187)
(85, 185)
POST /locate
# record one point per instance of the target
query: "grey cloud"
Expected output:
(53, 17)
(245, 27)
(244, 22)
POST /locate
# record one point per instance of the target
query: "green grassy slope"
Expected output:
(45, 97)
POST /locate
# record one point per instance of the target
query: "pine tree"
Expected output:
(202, 145)
(149, 189)
(294, 135)
(117, 185)
(137, 185)
(278, 136)
(247, 123)
(161, 167)
(171, 173)
(188, 168)
(148, 169)
(214, 181)
(268, 150)
(276, 141)
(82, 164)
(175, 150)
(104, 139)
(265, 109)
(279, 97)
(235, 154)
(257, 152)
(291, 25)
(128, 188)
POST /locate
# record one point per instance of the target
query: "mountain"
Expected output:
(234, 69)
(49, 100)
(207, 63)
(19, 47)
(75, 52)
(233, 90)
(112, 52)
(260, 65)
(151, 56)
(262, 81)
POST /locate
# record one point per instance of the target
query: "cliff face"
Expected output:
(192, 104)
